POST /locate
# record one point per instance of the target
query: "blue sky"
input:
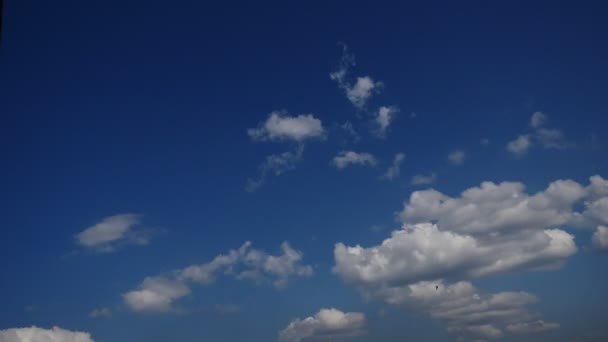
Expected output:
(145, 143)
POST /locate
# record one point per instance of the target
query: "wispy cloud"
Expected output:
(112, 232)
(348, 158)
(395, 169)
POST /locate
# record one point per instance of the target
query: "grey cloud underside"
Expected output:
(157, 294)
(487, 230)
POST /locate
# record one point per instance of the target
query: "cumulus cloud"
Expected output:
(520, 145)
(326, 324)
(101, 313)
(491, 229)
(157, 294)
(281, 126)
(384, 118)
(111, 232)
(600, 238)
(456, 157)
(551, 138)
(424, 252)
(363, 88)
(394, 170)
(35, 334)
(424, 179)
(347, 158)
(275, 164)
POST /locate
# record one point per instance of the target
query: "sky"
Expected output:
(289, 172)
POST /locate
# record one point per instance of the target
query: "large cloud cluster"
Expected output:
(487, 230)
(157, 294)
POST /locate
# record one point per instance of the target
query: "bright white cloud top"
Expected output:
(35, 334)
(157, 294)
(326, 324)
(348, 158)
(112, 231)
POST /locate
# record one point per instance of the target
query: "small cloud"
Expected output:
(552, 139)
(485, 142)
(112, 231)
(346, 158)
(538, 119)
(327, 324)
(394, 170)
(364, 87)
(424, 179)
(413, 115)
(519, 146)
(275, 164)
(101, 313)
(384, 118)
(281, 126)
(456, 157)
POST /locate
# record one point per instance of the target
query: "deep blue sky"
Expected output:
(143, 107)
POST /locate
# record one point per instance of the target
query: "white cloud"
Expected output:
(424, 252)
(538, 119)
(456, 157)
(520, 146)
(346, 158)
(491, 229)
(275, 164)
(485, 142)
(326, 324)
(532, 327)
(467, 312)
(35, 334)
(547, 138)
(157, 294)
(101, 312)
(394, 170)
(106, 235)
(384, 118)
(424, 179)
(600, 238)
(363, 89)
(281, 126)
